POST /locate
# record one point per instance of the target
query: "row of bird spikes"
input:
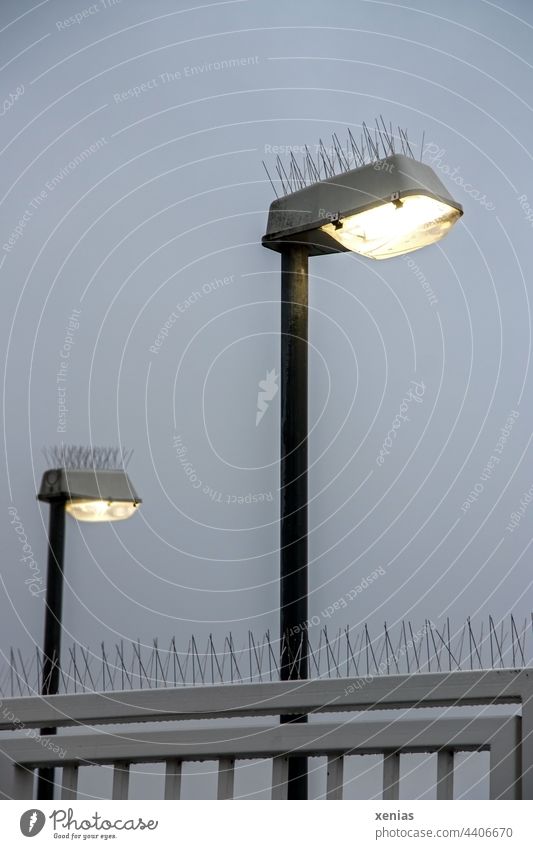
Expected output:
(374, 144)
(93, 458)
(346, 653)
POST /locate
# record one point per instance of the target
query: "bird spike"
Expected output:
(387, 141)
(341, 158)
(286, 180)
(270, 178)
(409, 149)
(329, 169)
(356, 153)
(312, 170)
(389, 137)
(299, 177)
(280, 177)
(371, 147)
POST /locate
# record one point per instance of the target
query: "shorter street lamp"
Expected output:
(89, 495)
(390, 205)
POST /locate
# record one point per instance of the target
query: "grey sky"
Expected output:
(172, 197)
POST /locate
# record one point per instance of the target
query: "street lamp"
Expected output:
(386, 207)
(89, 495)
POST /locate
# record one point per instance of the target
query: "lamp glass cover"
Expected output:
(391, 229)
(88, 510)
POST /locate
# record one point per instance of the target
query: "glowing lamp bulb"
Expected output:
(395, 228)
(89, 510)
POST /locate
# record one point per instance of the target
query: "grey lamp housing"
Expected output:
(91, 495)
(313, 214)
(61, 484)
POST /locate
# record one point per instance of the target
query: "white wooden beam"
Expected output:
(272, 698)
(251, 741)
(501, 736)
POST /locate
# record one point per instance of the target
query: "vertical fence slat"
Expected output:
(69, 783)
(226, 777)
(506, 761)
(16, 782)
(335, 779)
(121, 781)
(527, 742)
(280, 775)
(445, 774)
(172, 779)
(391, 775)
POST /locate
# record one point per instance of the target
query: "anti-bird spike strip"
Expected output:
(352, 651)
(375, 144)
(95, 457)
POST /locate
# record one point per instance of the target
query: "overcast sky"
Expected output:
(132, 189)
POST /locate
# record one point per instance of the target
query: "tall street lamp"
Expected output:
(390, 206)
(89, 495)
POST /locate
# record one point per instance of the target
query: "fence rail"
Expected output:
(509, 739)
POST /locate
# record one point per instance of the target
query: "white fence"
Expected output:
(509, 739)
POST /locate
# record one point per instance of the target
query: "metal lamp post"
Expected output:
(90, 495)
(382, 209)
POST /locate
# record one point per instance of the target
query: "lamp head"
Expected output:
(91, 481)
(383, 209)
(91, 495)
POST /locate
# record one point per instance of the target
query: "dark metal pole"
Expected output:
(293, 485)
(52, 627)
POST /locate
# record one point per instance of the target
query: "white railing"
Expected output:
(508, 739)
